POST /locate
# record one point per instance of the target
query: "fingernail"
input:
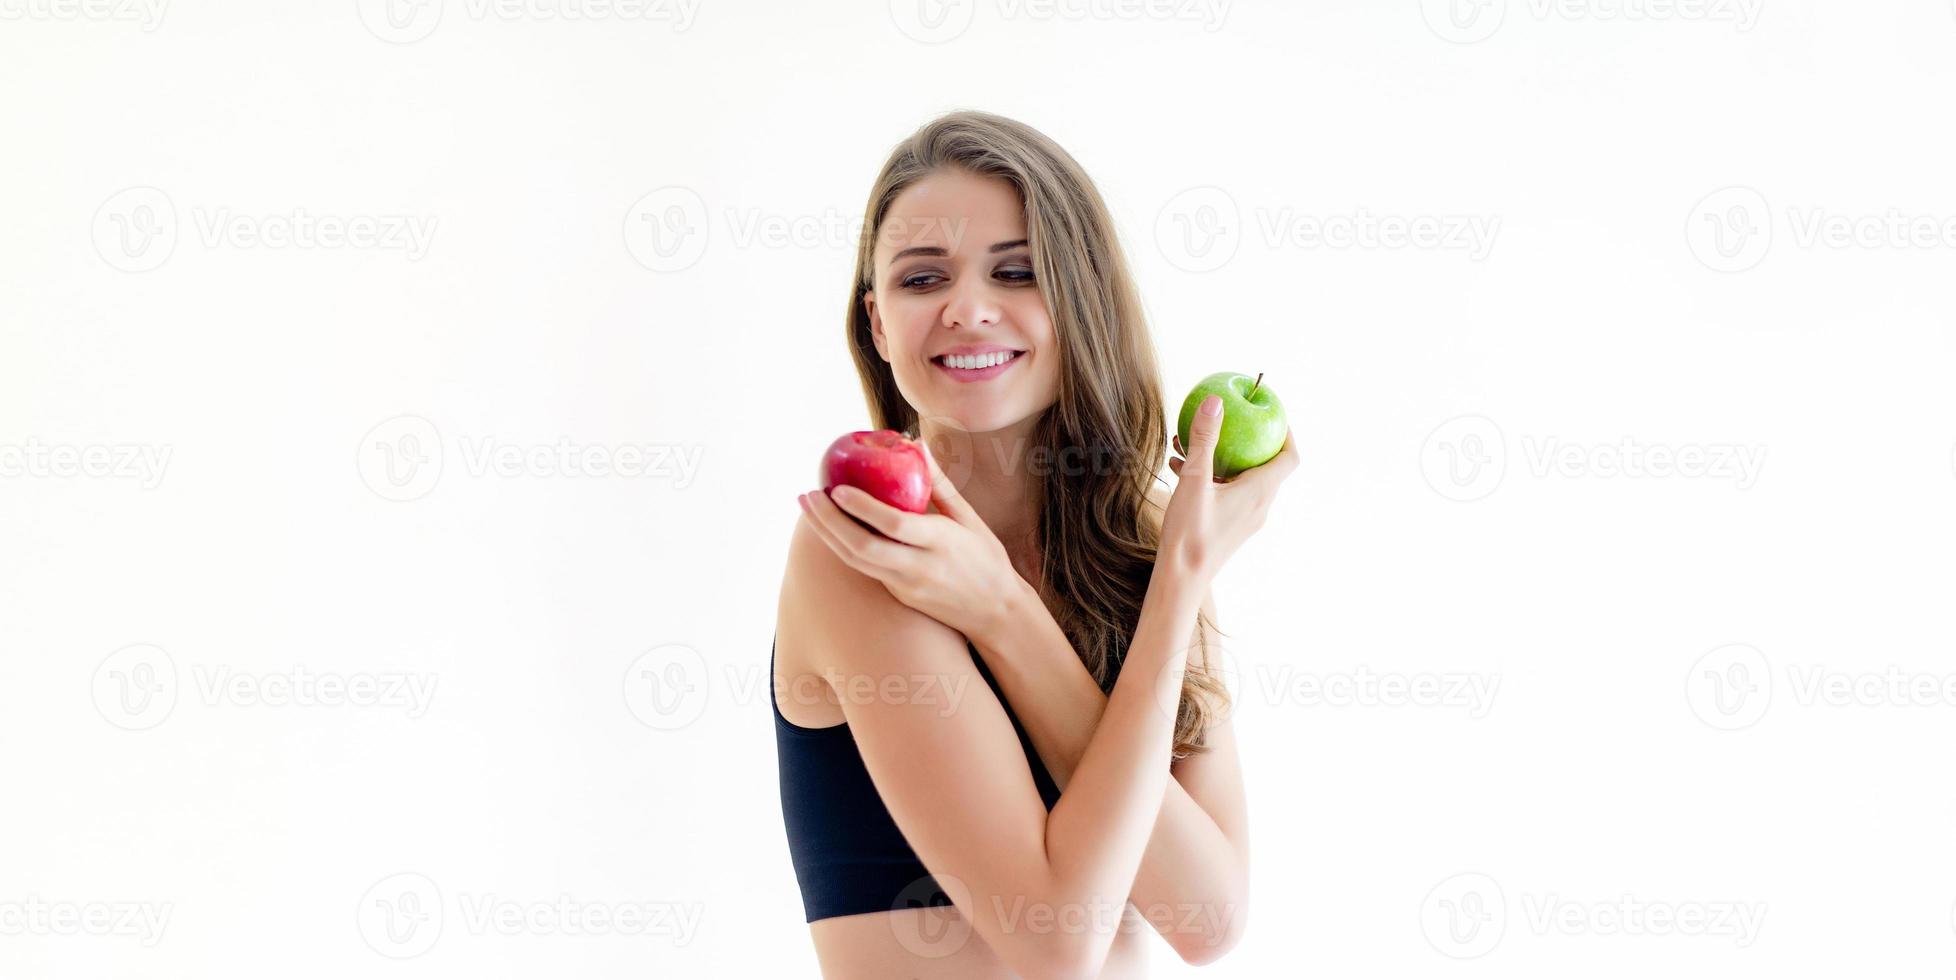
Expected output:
(1212, 405)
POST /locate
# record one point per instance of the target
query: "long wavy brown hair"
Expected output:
(1098, 527)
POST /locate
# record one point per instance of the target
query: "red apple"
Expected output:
(881, 463)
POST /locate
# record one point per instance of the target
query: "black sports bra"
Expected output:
(849, 856)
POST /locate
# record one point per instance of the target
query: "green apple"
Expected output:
(1253, 425)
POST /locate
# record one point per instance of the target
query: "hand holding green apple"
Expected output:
(1253, 426)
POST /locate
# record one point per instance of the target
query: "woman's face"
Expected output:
(954, 308)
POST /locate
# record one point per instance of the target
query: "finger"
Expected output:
(828, 539)
(943, 493)
(1276, 467)
(1262, 480)
(1175, 463)
(1288, 458)
(1204, 430)
(1176, 441)
(853, 539)
(887, 520)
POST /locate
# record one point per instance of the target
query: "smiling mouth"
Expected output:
(976, 362)
(977, 367)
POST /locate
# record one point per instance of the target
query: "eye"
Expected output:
(925, 280)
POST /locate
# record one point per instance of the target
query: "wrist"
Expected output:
(1014, 608)
(1178, 579)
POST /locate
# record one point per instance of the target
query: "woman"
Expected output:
(993, 312)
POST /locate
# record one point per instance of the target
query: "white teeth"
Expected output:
(972, 362)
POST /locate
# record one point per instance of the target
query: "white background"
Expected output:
(1629, 750)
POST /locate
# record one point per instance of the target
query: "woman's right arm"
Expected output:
(1044, 890)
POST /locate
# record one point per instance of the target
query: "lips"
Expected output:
(978, 365)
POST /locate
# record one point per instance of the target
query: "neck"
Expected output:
(993, 474)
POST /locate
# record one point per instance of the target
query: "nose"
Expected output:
(971, 305)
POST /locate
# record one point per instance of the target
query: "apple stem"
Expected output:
(1254, 387)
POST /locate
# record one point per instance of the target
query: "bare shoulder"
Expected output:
(833, 618)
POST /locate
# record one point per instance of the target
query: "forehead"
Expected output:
(950, 209)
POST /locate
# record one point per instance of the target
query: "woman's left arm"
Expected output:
(1193, 886)
(1193, 883)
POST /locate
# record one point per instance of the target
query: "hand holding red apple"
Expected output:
(881, 462)
(947, 565)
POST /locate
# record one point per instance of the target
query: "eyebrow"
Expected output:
(939, 252)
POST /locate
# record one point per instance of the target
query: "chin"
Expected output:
(977, 418)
